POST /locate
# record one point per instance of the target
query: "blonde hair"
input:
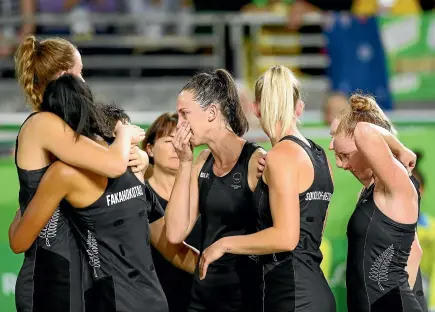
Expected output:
(277, 94)
(38, 62)
(363, 108)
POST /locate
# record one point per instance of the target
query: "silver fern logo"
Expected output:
(50, 229)
(379, 270)
(94, 259)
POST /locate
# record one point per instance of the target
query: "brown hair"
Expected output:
(161, 127)
(363, 108)
(38, 62)
(219, 87)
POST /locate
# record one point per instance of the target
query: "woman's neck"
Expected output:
(366, 182)
(226, 147)
(162, 182)
(292, 131)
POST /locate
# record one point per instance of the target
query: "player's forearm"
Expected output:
(13, 227)
(20, 239)
(186, 258)
(177, 212)
(265, 242)
(414, 262)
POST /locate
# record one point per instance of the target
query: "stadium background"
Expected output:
(143, 72)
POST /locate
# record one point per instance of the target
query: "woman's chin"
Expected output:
(194, 142)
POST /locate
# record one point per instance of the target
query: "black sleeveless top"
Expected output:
(175, 282)
(378, 251)
(114, 231)
(226, 208)
(313, 203)
(50, 277)
(418, 286)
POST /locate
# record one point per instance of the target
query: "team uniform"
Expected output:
(226, 208)
(175, 282)
(50, 279)
(378, 251)
(419, 292)
(294, 281)
(114, 231)
(418, 285)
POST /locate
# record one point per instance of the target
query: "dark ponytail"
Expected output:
(70, 98)
(219, 87)
(232, 109)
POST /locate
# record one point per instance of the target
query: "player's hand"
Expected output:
(181, 143)
(135, 133)
(408, 159)
(260, 166)
(210, 255)
(139, 160)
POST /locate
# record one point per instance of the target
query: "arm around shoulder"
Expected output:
(59, 139)
(52, 189)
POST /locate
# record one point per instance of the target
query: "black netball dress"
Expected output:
(114, 231)
(294, 281)
(175, 282)
(226, 208)
(378, 251)
(50, 277)
(418, 286)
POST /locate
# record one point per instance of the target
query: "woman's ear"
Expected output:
(256, 109)
(149, 149)
(300, 105)
(212, 112)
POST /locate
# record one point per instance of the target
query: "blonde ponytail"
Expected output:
(277, 93)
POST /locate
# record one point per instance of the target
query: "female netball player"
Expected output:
(116, 219)
(42, 138)
(382, 228)
(158, 144)
(384, 127)
(292, 199)
(36, 64)
(221, 181)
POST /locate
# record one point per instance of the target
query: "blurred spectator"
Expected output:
(13, 8)
(219, 6)
(210, 6)
(247, 100)
(143, 27)
(334, 104)
(362, 65)
(364, 7)
(79, 10)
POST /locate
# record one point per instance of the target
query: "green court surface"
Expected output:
(342, 204)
